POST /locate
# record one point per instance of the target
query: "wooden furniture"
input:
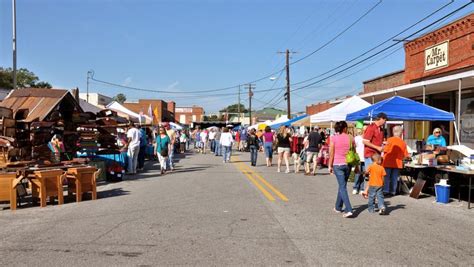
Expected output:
(82, 180)
(8, 182)
(47, 183)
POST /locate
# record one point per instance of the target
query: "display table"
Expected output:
(463, 173)
(48, 183)
(82, 180)
(8, 188)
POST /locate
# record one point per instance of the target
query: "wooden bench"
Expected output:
(48, 183)
(8, 182)
(82, 180)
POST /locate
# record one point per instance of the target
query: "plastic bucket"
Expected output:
(442, 193)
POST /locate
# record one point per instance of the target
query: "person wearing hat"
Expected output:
(436, 139)
(373, 138)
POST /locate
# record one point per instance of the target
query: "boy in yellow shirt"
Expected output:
(376, 175)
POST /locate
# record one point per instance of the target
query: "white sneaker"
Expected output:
(347, 215)
(278, 170)
(287, 171)
(354, 192)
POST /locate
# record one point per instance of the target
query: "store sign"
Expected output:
(436, 56)
(183, 110)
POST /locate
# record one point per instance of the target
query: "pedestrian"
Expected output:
(268, 145)
(243, 140)
(283, 144)
(212, 144)
(217, 149)
(172, 136)
(253, 146)
(142, 150)
(393, 154)
(313, 145)
(226, 142)
(373, 138)
(204, 139)
(376, 175)
(183, 139)
(133, 135)
(198, 141)
(237, 140)
(359, 180)
(338, 148)
(163, 146)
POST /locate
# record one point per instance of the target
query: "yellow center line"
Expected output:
(249, 173)
(276, 191)
(259, 186)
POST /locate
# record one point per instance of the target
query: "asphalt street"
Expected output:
(209, 213)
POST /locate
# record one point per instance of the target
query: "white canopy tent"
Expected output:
(283, 118)
(119, 108)
(339, 112)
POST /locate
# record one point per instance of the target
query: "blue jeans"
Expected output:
(170, 158)
(226, 152)
(217, 148)
(367, 162)
(359, 179)
(213, 145)
(268, 149)
(375, 191)
(391, 181)
(253, 155)
(342, 173)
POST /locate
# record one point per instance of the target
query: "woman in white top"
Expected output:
(359, 178)
(226, 144)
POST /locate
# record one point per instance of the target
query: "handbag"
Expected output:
(352, 158)
(164, 150)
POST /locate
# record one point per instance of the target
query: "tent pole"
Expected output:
(458, 115)
(423, 123)
(456, 132)
(331, 131)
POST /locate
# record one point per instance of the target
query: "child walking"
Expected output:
(376, 175)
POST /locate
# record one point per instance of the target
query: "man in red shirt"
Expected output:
(373, 138)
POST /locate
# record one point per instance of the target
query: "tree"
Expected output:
(234, 109)
(24, 79)
(121, 98)
(212, 118)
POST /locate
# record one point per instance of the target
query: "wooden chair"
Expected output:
(82, 180)
(8, 182)
(48, 183)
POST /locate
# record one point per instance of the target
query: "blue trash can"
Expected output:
(442, 193)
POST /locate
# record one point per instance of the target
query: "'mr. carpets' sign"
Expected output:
(436, 56)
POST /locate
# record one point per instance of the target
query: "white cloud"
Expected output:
(127, 81)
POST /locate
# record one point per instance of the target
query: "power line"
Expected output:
(379, 52)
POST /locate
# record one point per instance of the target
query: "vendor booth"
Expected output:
(426, 165)
(339, 112)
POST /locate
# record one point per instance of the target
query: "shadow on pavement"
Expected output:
(112, 193)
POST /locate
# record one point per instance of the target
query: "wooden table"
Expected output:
(82, 180)
(8, 182)
(47, 183)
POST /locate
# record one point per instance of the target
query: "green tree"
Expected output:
(121, 98)
(213, 118)
(24, 79)
(234, 109)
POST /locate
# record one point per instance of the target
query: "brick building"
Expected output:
(439, 71)
(165, 110)
(188, 115)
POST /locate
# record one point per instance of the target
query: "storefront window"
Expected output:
(467, 120)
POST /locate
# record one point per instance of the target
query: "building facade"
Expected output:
(96, 99)
(188, 115)
(159, 108)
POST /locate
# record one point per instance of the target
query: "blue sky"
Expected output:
(191, 45)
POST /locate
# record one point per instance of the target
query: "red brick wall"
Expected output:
(461, 49)
(385, 82)
(197, 111)
(316, 108)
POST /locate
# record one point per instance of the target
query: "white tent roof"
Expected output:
(283, 118)
(116, 106)
(339, 112)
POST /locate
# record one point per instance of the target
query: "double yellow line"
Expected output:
(260, 182)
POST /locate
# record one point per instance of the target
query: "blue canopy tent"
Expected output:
(289, 122)
(400, 108)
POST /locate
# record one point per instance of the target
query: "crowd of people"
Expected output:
(379, 157)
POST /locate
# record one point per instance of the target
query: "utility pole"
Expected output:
(288, 90)
(238, 107)
(250, 86)
(14, 42)
(89, 74)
